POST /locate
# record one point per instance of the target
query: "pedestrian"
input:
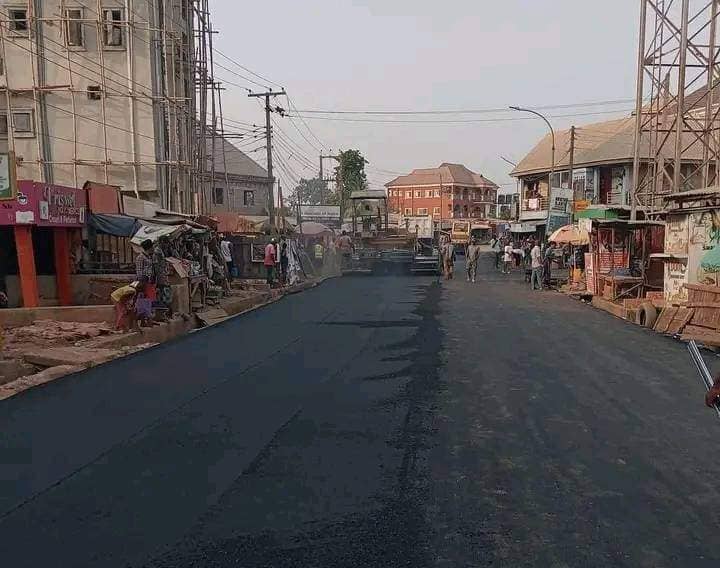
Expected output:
(507, 257)
(548, 257)
(269, 262)
(226, 251)
(448, 256)
(143, 261)
(496, 246)
(345, 246)
(284, 261)
(472, 258)
(318, 253)
(536, 264)
(161, 273)
(123, 298)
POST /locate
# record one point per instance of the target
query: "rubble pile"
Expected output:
(45, 331)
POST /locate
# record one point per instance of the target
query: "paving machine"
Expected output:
(380, 249)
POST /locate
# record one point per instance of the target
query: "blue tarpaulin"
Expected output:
(115, 225)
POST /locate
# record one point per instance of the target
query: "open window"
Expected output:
(18, 20)
(112, 30)
(74, 27)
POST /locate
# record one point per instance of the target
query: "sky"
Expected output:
(422, 55)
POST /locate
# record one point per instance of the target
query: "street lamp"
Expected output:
(552, 158)
(517, 189)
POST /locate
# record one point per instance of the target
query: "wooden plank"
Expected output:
(703, 288)
(665, 318)
(700, 304)
(708, 339)
(680, 321)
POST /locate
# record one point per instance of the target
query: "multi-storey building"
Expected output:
(106, 91)
(448, 191)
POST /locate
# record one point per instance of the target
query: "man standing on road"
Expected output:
(226, 250)
(496, 246)
(269, 262)
(448, 256)
(284, 261)
(547, 263)
(319, 253)
(472, 256)
(536, 263)
(507, 257)
(345, 246)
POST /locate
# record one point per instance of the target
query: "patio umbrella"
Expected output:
(571, 235)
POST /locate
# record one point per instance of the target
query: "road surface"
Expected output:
(385, 422)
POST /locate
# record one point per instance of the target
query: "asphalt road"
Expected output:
(389, 421)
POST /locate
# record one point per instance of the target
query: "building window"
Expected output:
(428, 193)
(436, 193)
(22, 123)
(113, 28)
(436, 211)
(19, 24)
(418, 193)
(218, 195)
(408, 194)
(94, 92)
(408, 211)
(422, 211)
(74, 27)
(248, 198)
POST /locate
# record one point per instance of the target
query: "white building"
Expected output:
(103, 91)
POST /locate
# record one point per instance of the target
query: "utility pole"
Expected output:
(330, 157)
(571, 166)
(268, 138)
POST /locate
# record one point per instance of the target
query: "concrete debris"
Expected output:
(57, 331)
(79, 356)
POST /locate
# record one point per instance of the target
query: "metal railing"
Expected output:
(535, 204)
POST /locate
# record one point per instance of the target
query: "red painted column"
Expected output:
(26, 264)
(61, 242)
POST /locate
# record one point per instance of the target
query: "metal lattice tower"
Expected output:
(677, 137)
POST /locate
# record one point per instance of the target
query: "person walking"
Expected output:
(472, 257)
(284, 260)
(548, 257)
(269, 262)
(507, 257)
(536, 264)
(226, 251)
(345, 246)
(319, 253)
(448, 256)
(496, 247)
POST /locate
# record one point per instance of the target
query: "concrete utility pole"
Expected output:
(330, 157)
(571, 167)
(268, 138)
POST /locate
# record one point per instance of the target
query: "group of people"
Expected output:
(135, 303)
(448, 256)
(528, 254)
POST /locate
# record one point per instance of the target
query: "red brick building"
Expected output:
(450, 191)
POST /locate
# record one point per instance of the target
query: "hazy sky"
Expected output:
(428, 55)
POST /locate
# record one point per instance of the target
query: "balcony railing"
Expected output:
(535, 204)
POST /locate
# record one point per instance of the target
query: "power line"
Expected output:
(231, 60)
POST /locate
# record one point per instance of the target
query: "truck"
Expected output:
(380, 249)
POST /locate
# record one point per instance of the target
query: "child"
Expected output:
(124, 300)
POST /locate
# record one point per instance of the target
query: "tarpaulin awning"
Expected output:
(526, 227)
(115, 225)
(151, 231)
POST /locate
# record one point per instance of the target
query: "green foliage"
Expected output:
(351, 170)
(311, 192)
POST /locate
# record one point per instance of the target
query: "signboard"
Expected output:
(422, 224)
(590, 273)
(44, 205)
(7, 188)
(556, 221)
(561, 201)
(582, 204)
(326, 214)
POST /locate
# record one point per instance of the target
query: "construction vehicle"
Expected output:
(380, 249)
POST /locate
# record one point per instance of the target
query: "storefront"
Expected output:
(38, 223)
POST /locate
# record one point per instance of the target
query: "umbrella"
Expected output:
(570, 234)
(311, 229)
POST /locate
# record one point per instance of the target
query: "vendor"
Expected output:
(123, 298)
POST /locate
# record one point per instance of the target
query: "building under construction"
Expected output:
(114, 91)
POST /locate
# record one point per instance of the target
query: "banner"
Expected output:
(326, 214)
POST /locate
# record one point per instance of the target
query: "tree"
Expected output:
(350, 174)
(310, 192)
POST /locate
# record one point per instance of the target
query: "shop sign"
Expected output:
(581, 204)
(556, 221)
(326, 214)
(60, 206)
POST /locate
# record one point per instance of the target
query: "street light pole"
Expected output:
(552, 160)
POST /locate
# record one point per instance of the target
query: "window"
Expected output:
(22, 122)
(428, 193)
(418, 193)
(422, 211)
(3, 125)
(248, 198)
(74, 27)
(408, 194)
(218, 195)
(436, 211)
(18, 21)
(408, 211)
(436, 193)
(113, 28)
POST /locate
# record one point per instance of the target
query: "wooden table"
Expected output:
(622, 285)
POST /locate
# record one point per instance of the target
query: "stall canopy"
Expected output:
(115, 225)
(310, 228)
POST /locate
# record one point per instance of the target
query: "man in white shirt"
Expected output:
(537, 267)
(507, 257)
(226, 250)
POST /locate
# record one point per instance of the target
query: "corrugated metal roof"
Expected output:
(235, 160)
(447, 173)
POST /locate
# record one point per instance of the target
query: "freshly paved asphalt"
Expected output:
(388, 421)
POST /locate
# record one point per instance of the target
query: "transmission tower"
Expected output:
(677, 135)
